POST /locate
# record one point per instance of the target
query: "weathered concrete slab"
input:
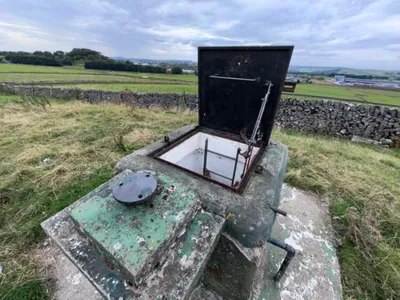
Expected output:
(137, 237)
(314, 272)
(179, 274)
(69, 282)
(104, 275)
(185, 234)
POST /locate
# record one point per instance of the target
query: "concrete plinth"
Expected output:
(160, 251)
(149, 251)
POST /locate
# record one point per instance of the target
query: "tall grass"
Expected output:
(49, 159)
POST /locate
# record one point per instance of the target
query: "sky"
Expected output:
(339, 33)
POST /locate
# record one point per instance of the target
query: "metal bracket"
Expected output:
(235, 78)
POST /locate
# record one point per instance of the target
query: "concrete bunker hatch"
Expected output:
(192, 213)
(239, 90)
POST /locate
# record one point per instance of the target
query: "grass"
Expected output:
(143, 88)
(344, 92)
(186, 78)
(26, 78)
(41, 69)
(49, 159)
(33, 70)
(362, 183)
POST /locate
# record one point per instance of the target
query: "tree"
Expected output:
(59, 53)
(110, 64)
(66, 62)
(176, 70)
(48, 54)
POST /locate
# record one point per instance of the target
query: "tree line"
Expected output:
(93, 60)
(359, 76)
(114, 65)
(333, 74)
(55, 59)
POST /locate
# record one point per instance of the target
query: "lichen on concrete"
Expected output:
(136, 236)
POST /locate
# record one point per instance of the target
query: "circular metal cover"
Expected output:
(135, 188)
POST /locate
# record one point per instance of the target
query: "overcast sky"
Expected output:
(361, 33)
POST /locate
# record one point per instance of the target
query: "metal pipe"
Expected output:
(250, 153)
(219, 154)
(278, 211)
(220, 175)
(260, 115)
(290, 253)
(235, 78)
(234, 168)
(205, 157)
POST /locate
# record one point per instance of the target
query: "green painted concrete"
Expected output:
(132, 236)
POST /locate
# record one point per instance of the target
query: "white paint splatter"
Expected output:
(76, 279)
(286, 295)
(294, 243)
(186, 261)
(139, 239)
(180, 216)
(117, 246)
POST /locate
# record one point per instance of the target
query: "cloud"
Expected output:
(353, 33)
(184, 33)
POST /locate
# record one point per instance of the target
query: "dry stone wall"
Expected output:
(336, 118)
(145, 100)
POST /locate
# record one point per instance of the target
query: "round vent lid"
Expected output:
(135, 188)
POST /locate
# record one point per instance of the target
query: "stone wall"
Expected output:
(335, 118)
(145, 100)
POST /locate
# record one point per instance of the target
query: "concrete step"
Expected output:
(164, 250)
(179, 273)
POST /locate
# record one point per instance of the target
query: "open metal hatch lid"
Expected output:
(232, 83)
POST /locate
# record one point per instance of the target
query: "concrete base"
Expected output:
(169, 269)
(309, 231)
(188, 247)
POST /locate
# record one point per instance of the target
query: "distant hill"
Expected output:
(341, 70)
(157, 61)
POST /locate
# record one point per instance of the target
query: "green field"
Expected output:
(76, 139)
(41, 69)
(168, 83)
(346, 92)
(56, 78)
(141, 88)
(72, 71)
(34, 78)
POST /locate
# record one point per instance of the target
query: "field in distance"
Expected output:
(30, 71)
(169, 83)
